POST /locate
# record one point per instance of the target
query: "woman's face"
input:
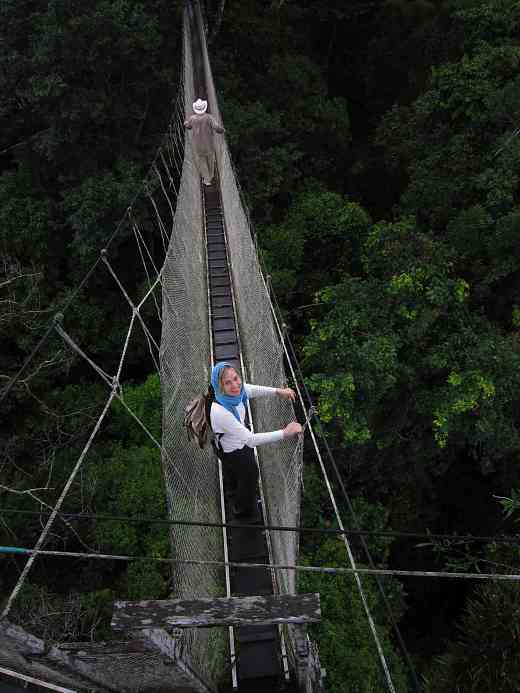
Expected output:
(231, 382)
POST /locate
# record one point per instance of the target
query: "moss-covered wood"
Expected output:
(222, 611)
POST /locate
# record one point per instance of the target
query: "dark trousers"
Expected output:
(240, 473)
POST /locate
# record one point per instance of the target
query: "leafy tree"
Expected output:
(402, 332)
(461, 154)
(78, 86)
(319, 224)
(123, 477)
(85, 99)
(485, 656)
(346, 646)
(130, 483)
(282, 123)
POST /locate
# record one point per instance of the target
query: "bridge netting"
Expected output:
(191, 474)
(280, 464)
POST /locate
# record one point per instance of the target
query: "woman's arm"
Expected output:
(263, 391)
(223, 421)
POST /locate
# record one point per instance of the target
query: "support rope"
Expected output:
(115, 383)
(371, 623)
(34, 552)
(494, 577)
(388, 608)
(293, 358)
(145, 519)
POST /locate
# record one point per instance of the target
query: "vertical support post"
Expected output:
(309, 673)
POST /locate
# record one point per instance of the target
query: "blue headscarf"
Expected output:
(229, 402)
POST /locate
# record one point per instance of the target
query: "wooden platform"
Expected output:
(257, 610)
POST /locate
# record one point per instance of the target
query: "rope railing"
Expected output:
(184, 359)
(330, 570)
(146, 519)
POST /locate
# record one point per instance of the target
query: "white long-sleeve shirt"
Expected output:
(234, 435)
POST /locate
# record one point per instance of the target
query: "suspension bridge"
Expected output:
(247, 626)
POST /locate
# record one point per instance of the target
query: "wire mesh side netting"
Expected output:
(280, 464)
(191, 474)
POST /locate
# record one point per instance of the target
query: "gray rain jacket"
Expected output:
(203, 126)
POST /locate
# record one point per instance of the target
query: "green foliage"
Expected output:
(466, 393)
(130, 483)
(289, 123)
(485, 656)
(144, 581)
(314, 502)
(129, 480)
(319, 223)
(510, 505)
(461, 155)
(375, 517)
(78, 83)
(98, 607)
(145, 402)
(402, 332)
(345, 642)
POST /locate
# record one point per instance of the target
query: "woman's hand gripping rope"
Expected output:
(298, 429)
(294, 428)
(286, 393)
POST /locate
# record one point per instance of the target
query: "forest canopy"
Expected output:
(377, 145)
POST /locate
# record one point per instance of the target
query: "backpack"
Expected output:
(197, 420)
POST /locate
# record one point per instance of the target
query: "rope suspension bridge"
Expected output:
(234, 586)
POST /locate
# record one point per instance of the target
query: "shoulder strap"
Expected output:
(210, 398)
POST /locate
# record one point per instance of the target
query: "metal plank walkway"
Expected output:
(258, 646)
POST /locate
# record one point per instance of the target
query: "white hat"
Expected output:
(200, 106)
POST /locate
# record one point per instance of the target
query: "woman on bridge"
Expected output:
(235, 440)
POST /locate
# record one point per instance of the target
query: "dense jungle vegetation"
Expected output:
(376, 142)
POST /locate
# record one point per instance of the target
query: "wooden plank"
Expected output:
(111, 647)
(102, 667)
(222, 611)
